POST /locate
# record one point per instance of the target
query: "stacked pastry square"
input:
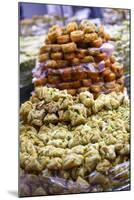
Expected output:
(78, 58)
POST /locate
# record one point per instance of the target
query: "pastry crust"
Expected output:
(72, 26)
(43, 57)
(77, 36)
(56, 55)
(70, 47)
(62, 39)
(90, 37)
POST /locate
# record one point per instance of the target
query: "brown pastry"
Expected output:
(117, 69)
(44, 49)
(40, 82)
(97, 42)
(108, 63)
(75, 61)
(95, 88)
(87, 82)
(43, 57)
(112, 59)
(77, 36)
(121, 80)
(62, 39)
(101, 31)
(110, 77)
(62, 63)
(69, 56)
(72, 26)
(54, 32)
(87, 59)
(70, 47)
(90, 37)
(100, 57)
(81, 53)
(51, 64)
(82, 89)
(53, 79)
(56, 55)
(94, 51)
(87, 26)
(72, 91)
(55, 47)
(69, 85)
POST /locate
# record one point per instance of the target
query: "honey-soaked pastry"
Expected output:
(95, 88)
(97, 43)
(43, 57)
(72, 26)
(69, 85)
(47, 41)
(87, 59)
(112, 59)
(101, 31)
(90, 37)
(70, 47)
(53, 79)
(81, 53)
(87, 26)
(106, 72)
(107, 37)
(117, 69)
(121, 80)
(62, 39)
(83, 89)
(44, 49)
(94, 51)
(62, 63)
(77, 36)
(108, 63)
(69, 56)
(87, 82)
(51, 64)
(55, 47)
(66, 74)
(40, 82)
(100, 57)
(75, 61)
(54, 32)
(72, 91)
(79, 75)
(110, 77)
(56, 55)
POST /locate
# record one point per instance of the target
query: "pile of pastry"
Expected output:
(78, 57)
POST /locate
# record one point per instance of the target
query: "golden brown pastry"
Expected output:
(90, 37)
(43, 57)
(55, 47)
(87, 82)
(62, 39)
(70, 47)
(56, 55)
(54, 32)
(87, 59)
(53, 79)
(77, 36)
(69, 56)
(97, 43)
(44, 49)
(81, 53)
(72, 26)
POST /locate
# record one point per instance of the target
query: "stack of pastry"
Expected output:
(78, 58)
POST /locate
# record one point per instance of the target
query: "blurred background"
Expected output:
(35, 19)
